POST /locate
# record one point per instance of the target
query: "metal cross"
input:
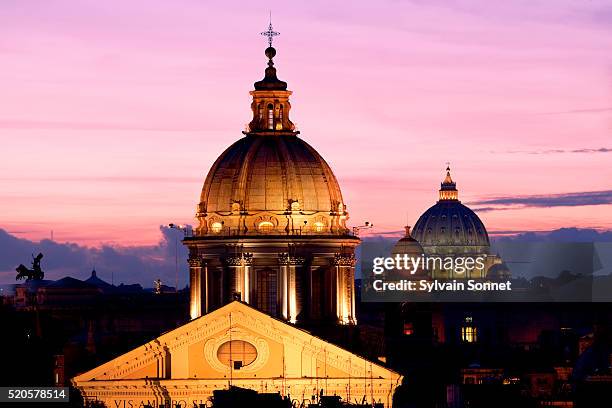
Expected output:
(270, 33)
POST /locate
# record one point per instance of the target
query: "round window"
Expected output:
(236, 353)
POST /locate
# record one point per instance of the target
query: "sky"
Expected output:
(111, 113)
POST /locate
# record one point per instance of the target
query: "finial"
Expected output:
(270, 33)
(448, 168)
(407, 228)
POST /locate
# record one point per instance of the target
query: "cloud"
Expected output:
(578, 111)
(558, 151)
(542, 201)
(560, 235)
(136, 264)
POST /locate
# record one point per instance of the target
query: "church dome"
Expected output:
(407, 245)
(450, 223)
(271, 181)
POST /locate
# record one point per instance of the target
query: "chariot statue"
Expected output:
(36, 273)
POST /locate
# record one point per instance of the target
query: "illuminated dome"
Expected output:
(271, 181)
(451, 224)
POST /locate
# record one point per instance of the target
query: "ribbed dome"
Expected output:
(266, 184)
(449, 222)
(269, 173)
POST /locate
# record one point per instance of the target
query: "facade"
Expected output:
(240, 346)
(272, 223)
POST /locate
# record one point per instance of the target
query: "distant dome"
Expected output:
(407, 245)
(450, 223)
(499, 271)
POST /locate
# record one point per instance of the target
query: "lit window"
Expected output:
(271, 117)
(265, 226)
(216, 227)
(408, 329)
(279, 125)
(319, 226)
(469, 334)
(236, 353)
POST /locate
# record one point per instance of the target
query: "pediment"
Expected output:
(268, 347)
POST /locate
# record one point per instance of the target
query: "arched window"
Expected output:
(271, 117)
(319, 226)
(265, 226)
(469, 332)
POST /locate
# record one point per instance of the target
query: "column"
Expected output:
(247, 265)
(236, 276)
(195, 286)
(283, 286)
(344, 267)
(291, 300)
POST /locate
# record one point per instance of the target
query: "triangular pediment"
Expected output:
(265, 347)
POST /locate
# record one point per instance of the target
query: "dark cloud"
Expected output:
(560, 235)
(137, 264)
(559, 151)
(550, 200)
(578, 111)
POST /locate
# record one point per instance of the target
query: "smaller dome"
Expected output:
(410, 247)
(407, 245)
(499, 271)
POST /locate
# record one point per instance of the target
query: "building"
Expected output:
(240, 346)
(271, 252)
(272, 223)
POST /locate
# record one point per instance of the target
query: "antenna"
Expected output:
(231, 361)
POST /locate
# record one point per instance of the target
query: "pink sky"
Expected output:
(112, 112)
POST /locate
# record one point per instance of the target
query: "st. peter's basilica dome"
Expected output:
(450, 223)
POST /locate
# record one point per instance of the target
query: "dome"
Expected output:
(267, 173)
(410, 247)
(499, 271)
(271, 181)
(450, 223)
(407, 246)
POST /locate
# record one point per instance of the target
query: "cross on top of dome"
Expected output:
(270, 33)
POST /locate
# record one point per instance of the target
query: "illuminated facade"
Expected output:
(271, 251)
(238, 345)
(272, 223)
